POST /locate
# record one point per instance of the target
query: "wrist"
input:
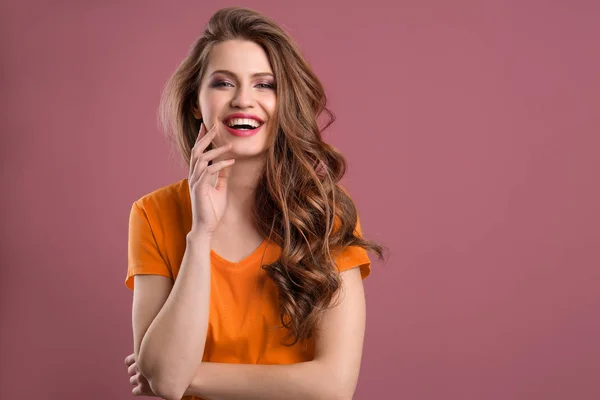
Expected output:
(199, 235)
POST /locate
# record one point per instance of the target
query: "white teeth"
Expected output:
(243, 121)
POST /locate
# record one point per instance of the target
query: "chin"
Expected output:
(244, 151)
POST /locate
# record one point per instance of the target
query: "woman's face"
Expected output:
(238, 80)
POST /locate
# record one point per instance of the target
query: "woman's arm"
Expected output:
(332, 374)
(168, 349)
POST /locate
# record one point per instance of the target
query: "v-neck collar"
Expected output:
(253, 257)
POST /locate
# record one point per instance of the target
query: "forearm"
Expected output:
(306, 380)
(172, 348)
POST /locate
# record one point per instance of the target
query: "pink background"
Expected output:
(471, 130)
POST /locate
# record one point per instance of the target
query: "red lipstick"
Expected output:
(243, 132)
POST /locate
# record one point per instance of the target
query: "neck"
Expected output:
(241, 190)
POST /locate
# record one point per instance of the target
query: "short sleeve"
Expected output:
(354, 256)
(143, 254)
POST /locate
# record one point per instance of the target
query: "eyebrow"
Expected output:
(226, 72)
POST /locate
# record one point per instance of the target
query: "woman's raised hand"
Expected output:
(208, 201)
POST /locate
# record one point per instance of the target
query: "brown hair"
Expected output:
(299, 203)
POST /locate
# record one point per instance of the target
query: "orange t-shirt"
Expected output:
(244, 308)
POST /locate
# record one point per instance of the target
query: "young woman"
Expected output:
(247, 274)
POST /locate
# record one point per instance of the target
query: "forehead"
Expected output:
(241, 57)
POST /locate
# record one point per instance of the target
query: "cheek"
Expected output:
(270, 104)
(212, 105)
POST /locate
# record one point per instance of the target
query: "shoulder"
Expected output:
(172, 196)
(167, 208)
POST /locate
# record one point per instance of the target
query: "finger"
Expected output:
(223, 177)
(192, 154)
(213, 169)
(212, 154)
(130, 359)
(141, 390)
(201, 132)
(133, 369)
(143, 381)
(202, 161)
(134, 379)
(200, 146)
(205, 140)
(145, 386)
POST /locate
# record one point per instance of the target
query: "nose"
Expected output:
(242, 98)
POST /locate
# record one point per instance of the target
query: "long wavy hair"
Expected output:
(299, 202)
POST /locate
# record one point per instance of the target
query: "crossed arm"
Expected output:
(332, 374)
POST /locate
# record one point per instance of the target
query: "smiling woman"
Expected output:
(238, 76)
(247, 275)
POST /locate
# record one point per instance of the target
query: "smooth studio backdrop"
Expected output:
(471, 130)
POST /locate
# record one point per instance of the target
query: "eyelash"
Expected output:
(267, 85)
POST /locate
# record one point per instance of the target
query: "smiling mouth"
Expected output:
(243, 123)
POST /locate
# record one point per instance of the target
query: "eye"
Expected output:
(220, 84)
(266, 86)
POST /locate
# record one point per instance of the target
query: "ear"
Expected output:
(196, 112)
